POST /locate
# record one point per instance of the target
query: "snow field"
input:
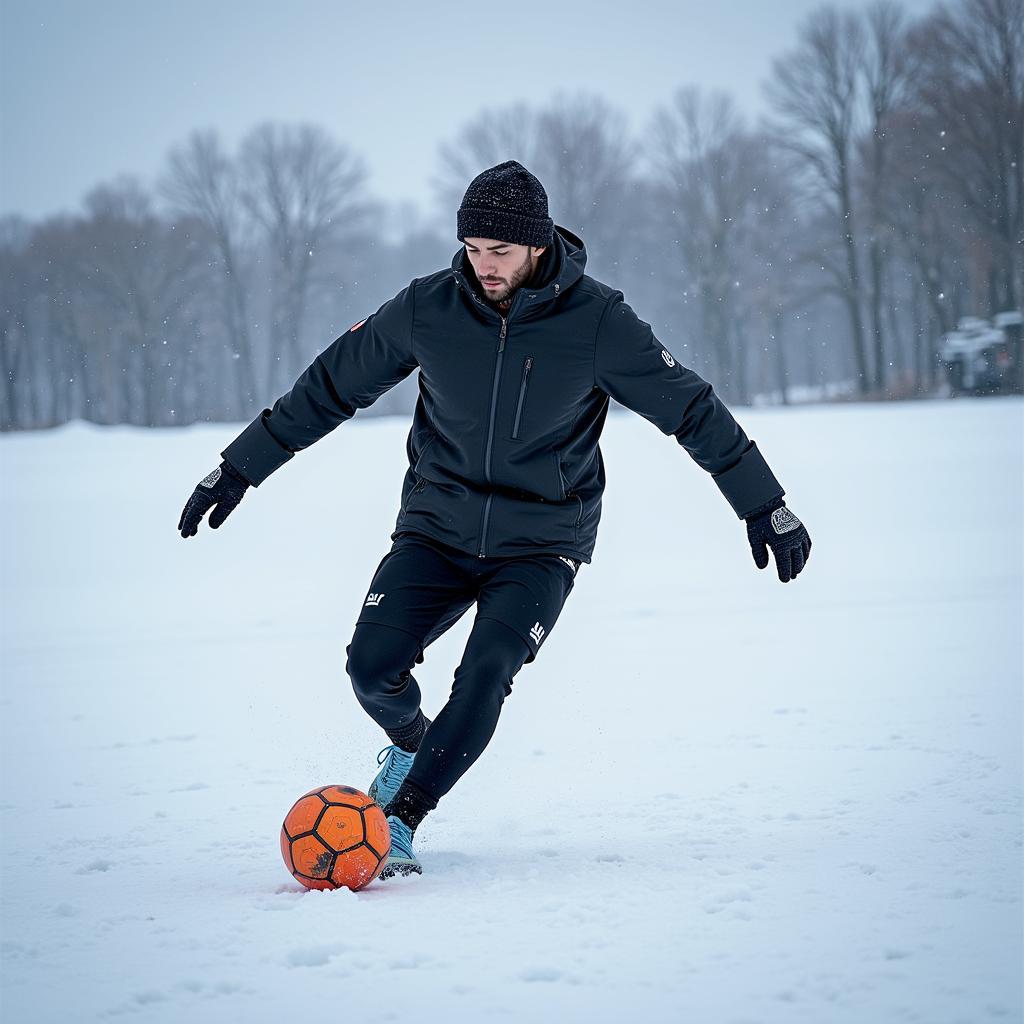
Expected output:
(712, 796)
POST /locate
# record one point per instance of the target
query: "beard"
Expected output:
(519, 277)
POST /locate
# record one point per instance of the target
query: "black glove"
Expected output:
(774, 526)
(224, 488)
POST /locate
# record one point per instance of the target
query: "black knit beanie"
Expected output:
(506, 203)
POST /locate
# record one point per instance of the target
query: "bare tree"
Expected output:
(585, 158)
(51, 344)
(15, 338)
(814, 90)
(885, 69)
(144, 273)
(490, 138)
(932, 234)
(61, 318)
(969, 79)
(202, 183)
(703, 162)
(776, 287)
(578, 146)
(303, 190)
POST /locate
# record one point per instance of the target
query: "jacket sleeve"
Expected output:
(350, 374)
(634, 368)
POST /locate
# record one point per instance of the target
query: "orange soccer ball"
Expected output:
(335, 836)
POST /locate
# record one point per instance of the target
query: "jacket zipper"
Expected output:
(490, 432)
(522, 395)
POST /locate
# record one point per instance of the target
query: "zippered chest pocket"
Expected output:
(517, 423)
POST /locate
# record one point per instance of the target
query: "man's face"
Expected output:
(500, 266)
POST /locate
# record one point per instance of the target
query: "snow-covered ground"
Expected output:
(712, 798)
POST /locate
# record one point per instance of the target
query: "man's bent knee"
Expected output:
(378, 660)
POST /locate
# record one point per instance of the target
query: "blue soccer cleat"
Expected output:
(395, 764)
(401, 860)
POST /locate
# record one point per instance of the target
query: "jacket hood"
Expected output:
(561, 266)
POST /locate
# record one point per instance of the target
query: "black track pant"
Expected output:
(420, 589)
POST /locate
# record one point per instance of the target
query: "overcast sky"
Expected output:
(96, 88)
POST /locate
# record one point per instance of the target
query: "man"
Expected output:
(519, 353)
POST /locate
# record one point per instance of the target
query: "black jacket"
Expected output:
(503, 450)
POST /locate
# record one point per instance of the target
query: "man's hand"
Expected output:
(223, 488)
(774, 526)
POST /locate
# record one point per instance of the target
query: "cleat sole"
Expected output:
(400, 869)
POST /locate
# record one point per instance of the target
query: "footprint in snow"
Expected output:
(94, 866)
(149, 997)
(723, 899)
(541, 974)
(864, 869)
(313, 956)
(410, 963)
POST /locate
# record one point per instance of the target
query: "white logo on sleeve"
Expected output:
(537, 633)
(373, 600)
(667, 356)
(569, 562)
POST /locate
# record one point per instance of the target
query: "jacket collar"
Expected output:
(559, 269)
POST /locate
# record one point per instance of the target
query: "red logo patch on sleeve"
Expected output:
(355, 327)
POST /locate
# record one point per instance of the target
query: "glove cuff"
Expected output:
(770, 506)
(230, 471)
(256, 453)
(749, 484)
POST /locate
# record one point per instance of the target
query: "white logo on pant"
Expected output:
(373, 600)
(537, 633)
(669, 361)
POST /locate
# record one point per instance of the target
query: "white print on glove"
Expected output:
(211, 478)
(783, 520)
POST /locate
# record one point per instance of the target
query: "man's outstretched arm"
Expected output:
(350, 374)
(632, 366)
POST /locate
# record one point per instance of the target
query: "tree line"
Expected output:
(819, 253)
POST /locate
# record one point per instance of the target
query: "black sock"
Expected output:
(409, 737)
(411, 804)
